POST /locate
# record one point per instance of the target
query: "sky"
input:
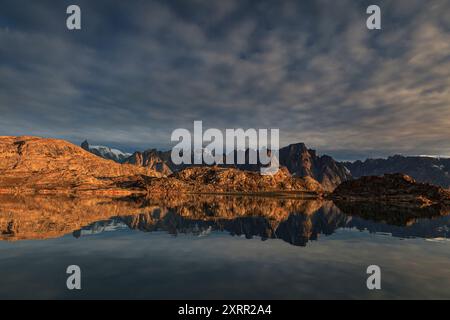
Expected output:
(137, 70)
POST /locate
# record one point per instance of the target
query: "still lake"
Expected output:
(220, 247)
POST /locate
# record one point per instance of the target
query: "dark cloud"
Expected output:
(139, 69)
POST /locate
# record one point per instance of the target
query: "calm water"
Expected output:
(220, 248)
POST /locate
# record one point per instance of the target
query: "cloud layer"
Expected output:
(139, 69)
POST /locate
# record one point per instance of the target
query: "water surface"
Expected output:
(220, 247)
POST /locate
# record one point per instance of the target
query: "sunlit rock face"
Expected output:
(43, 166)
(223, 180)
(38, 165)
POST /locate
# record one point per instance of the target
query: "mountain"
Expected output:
(40, 165)
(106, 152)
(299, 160)
(423, 169)
(304, 162)
(154, 159)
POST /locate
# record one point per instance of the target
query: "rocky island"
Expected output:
(394, 188)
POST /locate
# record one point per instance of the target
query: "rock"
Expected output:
(397, 188)
(39, 165)
(225, 180)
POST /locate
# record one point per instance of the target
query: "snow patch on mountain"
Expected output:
(111, 151)
(106, 152)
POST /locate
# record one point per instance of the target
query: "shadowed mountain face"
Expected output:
(304, 162)
(157, 160)
(423, 169)
(290, 219)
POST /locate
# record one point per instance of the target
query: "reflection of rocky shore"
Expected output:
(296, 227)
(291, 219)
(391, 213)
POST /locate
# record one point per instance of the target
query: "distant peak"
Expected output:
(85, 145)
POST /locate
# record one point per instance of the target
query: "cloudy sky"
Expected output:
(140, 69)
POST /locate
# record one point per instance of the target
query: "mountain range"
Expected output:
(421, 168)
(304, 162)
(297, 158)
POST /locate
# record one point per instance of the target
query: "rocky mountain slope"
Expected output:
(154, 159)
(304, 162)
(39, 165)
(423, 169)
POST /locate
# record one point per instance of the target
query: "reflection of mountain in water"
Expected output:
(289, 218)
(296, 227)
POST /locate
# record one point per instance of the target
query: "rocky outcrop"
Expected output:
(39, 165)
(230, 180)
(424, 169)
(304, 162)
(396, 188)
